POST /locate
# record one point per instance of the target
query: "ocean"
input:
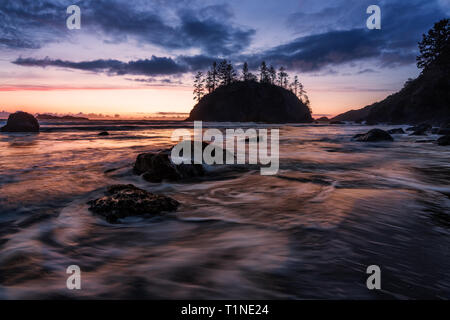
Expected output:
(334, 208)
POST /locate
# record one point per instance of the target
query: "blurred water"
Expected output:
(334, 208)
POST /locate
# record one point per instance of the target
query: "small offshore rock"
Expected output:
(373, 135)
(21, 122)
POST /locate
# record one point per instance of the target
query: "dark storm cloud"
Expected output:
(213, 36)
(213, 33)
(312, 53)
(27, 24)
(198, 62)
(327, 34)
(342, 36)
(31, 23)
(148, 67)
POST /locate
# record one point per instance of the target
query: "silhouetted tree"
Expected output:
(253, 77)
(306, 100)
(307, 103)
(245, 72)
(301, 91)
(209, 83)
(263, 73)
(226, 73)
(408, 82)
(214, 76)
(222, 71)
(303, 96)
(294, 85)
(286, 81)
(198, 86)
(435, 44)
(272, 75)
(231, 73)
(281, 77)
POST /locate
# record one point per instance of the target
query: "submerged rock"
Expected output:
(420, 130)
(444, 128)
(396, 131)
(104, 133)
(21, 122)
(123, 201)
(444, 140)
(373, 135)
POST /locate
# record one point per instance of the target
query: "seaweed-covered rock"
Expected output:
(373, 135)
(122, 200)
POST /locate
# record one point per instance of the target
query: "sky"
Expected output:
(138, 57)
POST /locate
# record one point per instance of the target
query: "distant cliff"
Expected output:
(63, 118)
(251, 102)
(425, 99)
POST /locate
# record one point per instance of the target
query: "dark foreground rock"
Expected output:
(21, 122)
(158, 166)
(337, 122)
(396, 131)
(104, 133)
(251, 101)
(123, 201)
(444, 140)
(373, 135)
